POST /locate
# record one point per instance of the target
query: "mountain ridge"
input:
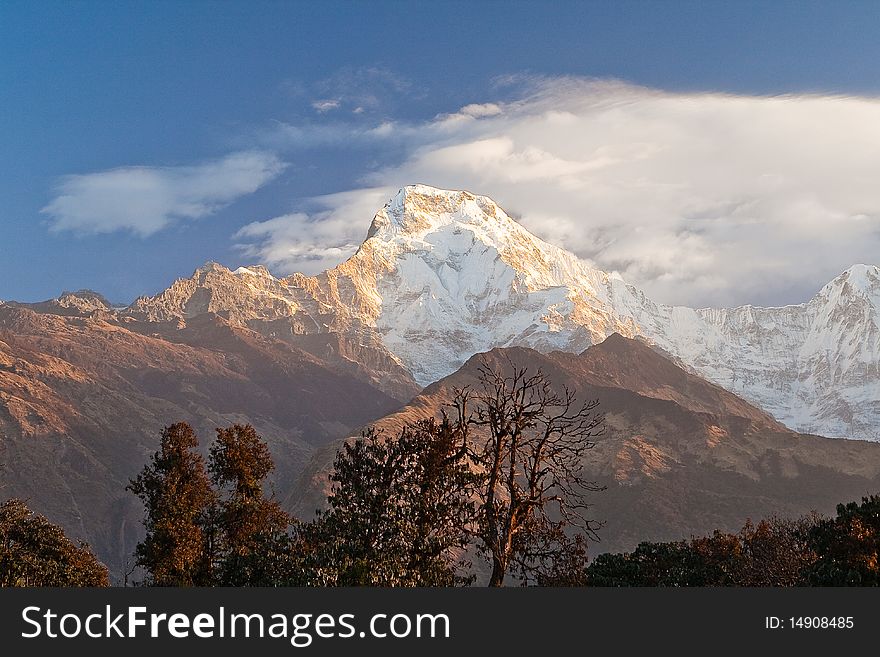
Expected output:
(84, 399)
(680, 456)
(445, 274)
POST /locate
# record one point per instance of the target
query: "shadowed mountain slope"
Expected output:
(679, 456)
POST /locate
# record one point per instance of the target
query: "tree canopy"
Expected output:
(35, 552)
(400, 509)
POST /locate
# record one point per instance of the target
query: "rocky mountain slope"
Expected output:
(443, 275)
(680, 456)
(83, 399)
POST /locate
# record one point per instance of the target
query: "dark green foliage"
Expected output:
(848, 546)
(551, 557)
(651, 564)
(272, 559)
(774, 552)
(177, 494)
(399, 510)
(34, 552)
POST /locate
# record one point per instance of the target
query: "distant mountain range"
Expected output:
(444, 274)
(442, 277)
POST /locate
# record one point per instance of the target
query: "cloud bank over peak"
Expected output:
(144, 200)
(699, 198)
(313, 241)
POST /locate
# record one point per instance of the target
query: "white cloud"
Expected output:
(358, 89)
(698, 198)
(322, 106)
(313, 242)
(144, 200)
(478, 110)
(344, 135)
(469, 113)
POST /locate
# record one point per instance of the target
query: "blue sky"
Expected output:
(137, 139)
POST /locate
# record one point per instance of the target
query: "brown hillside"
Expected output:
(83, 400)
(680, 456)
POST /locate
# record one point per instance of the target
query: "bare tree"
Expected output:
(529, 443)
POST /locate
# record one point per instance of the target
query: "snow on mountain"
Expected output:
(444, 274)
(458, 276)
(815, 366)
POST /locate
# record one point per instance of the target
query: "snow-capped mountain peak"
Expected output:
(452, 275)
(419, 209)
(449, 223)
(861, 279)
(420, 217)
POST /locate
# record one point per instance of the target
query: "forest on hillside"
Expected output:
(490, 493)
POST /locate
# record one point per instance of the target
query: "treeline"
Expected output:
(809, 551)
(497, 480)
